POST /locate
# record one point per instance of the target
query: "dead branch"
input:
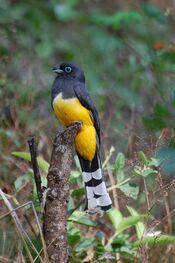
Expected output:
(55, 216)
(36, 172)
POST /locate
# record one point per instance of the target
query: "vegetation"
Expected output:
(128, 55)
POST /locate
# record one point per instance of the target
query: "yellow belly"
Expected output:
(70, 110)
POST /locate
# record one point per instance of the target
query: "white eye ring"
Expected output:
(68, 69)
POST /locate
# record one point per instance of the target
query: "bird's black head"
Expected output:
(69, 71)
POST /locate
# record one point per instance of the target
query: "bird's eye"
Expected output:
(68, 69)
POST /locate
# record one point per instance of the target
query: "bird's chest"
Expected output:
(70, 110)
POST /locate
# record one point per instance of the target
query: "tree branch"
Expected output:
(55, 216)
(33, 152)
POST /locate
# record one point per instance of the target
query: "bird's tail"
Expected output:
(96, 192)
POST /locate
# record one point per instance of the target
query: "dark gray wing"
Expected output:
(86, 100)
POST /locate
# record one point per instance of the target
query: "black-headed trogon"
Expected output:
(71, 102)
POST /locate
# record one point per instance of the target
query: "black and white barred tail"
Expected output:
(96, 192)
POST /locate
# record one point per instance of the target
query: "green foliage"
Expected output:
(123, 223)
(80, 218)
(154, 239)
(119, 19)
(149, 166)
(119, 241)
(26, 156)
(130, 190)
(120, 162)
(140, 227)
(123, 183)
(20, 180)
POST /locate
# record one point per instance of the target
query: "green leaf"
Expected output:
(130, 190)
(73, 236)
(99, 249)
(169, 56)
(155, 240)
(78, 193)
(120, 242)
(129, 221)
(155, 162)
(81, 218)
(118, 19)
(148, 171)
(35, 197)
(115, 216)
(143, 157)
(120, 176)
(85, 243)
(20, 180)
(71, 205)
(26, 156)
(140, 227)
(74, 175)
(137, 171)
(120, 161)
(154, 123)
(161, 111)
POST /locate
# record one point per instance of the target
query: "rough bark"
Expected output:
(55, 216)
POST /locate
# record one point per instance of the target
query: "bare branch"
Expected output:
(55, 217)
(37, 176)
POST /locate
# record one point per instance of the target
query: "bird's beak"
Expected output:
(57, 70)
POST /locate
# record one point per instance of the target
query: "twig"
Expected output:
(111, 177)
(147, 194)
(44, 249)
(167, 209)
(37, 176)
(12, 210)
(20, 230)
(131, 135)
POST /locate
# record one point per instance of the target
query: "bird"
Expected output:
(72, 102)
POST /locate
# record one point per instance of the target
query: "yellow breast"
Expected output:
(70, 110)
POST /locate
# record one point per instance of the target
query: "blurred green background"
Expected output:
(127, 51)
